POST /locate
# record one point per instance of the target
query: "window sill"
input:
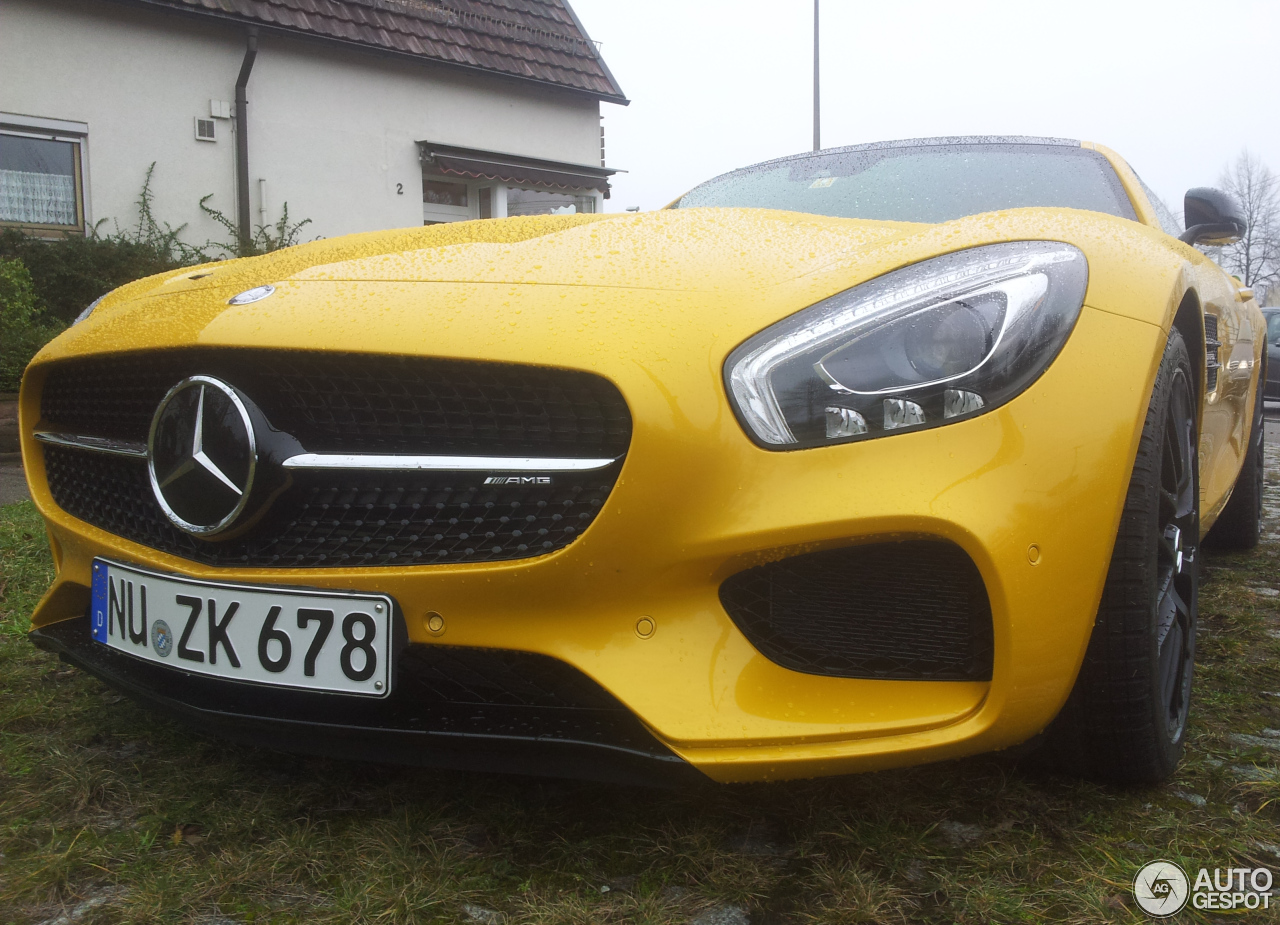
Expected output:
(48, 232)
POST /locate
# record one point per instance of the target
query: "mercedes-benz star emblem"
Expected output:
(202, 454)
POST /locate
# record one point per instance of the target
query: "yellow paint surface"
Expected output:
(655, 303)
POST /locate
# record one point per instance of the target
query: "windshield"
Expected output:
(923, 183)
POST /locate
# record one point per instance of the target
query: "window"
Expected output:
(447, 200)
(442, 193)
(545, 202)
(40, 181)
(1273, 327)
(1164, 215)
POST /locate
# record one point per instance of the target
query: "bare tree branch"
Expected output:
(1255, 258)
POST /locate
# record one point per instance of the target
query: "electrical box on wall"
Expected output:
(206, 130)
(220, 109)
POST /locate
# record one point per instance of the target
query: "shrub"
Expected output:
(70, 273)
(266, 238)
(24, 328)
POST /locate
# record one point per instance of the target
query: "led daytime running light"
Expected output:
(1038, 285)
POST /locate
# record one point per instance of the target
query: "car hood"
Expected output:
(692, 249)
(548, 289)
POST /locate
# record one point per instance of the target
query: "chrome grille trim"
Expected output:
(360, 461)
(94, 444)
(444, 463)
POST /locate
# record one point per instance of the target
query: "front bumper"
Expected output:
(439, 716)
(1032, 492)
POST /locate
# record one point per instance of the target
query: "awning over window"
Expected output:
(518, 171)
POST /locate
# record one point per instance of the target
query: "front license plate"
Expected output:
(320, 641)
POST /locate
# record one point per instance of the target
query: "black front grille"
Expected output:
(912, 611)
(352, 404)
(337, 519)
(496, 677)
(357, 402)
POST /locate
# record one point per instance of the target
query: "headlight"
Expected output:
(944, 339)
(89, 311)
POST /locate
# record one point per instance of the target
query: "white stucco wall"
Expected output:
(331, 130)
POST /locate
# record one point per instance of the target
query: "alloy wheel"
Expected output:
(1177, 567)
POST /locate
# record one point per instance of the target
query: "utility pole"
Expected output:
(817, 105)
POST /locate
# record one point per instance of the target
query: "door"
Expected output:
(1228, 405)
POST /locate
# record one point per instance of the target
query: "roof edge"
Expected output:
(272, 29)
(613, 81)
(501, 157)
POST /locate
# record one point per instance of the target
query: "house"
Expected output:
(359, 114)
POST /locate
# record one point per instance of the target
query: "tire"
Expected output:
(1239, 526)
(1125, 720)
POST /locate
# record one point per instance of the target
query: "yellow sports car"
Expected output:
(864, 457)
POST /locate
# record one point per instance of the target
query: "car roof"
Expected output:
(950, 140)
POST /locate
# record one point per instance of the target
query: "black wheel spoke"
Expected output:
(1172, 609)
(1170, 676)
(1178, 536)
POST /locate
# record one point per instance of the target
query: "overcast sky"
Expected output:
(1178, 88)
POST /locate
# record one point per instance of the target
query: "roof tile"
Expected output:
(534, 39)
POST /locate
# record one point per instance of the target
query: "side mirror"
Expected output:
(1212, 217)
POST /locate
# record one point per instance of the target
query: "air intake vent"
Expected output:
(1211, 345)
(206, 130)
(910, 611)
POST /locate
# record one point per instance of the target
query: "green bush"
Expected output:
(68, 274)
(72, 271)
(24, 327)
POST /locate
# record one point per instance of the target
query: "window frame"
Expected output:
(578, 196)
(74, 133)
(437, 213)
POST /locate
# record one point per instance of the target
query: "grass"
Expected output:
(109, 814)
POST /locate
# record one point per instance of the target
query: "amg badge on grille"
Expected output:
(518, 480)
(201, 455)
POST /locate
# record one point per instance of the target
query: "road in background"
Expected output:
(13, 484)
